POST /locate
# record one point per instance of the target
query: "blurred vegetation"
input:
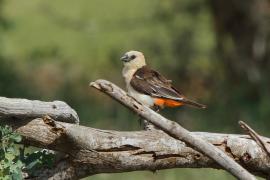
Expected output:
(215, 51)
(10, 163)
(16, 159)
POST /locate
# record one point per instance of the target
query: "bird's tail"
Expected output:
(193, 103)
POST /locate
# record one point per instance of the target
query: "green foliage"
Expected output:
(37, 160)
(10, 164)
(14, 159)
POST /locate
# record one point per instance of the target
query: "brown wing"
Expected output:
(150, 82)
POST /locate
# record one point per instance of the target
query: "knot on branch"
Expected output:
(55, 128)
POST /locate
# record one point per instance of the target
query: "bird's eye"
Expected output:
(132, 57)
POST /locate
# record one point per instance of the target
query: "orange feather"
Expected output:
(167, 102)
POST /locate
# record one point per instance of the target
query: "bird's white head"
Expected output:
(133, 60)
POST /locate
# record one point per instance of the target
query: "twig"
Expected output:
(255, 136)
(173, 129)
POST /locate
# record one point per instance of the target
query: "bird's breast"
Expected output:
(142, 98)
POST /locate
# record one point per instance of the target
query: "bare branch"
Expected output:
(173, 129)
(256, 137)
(93, 151)
(12, 109)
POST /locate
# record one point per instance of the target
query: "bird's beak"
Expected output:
(125, 58)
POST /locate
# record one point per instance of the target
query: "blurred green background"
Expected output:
(216, 52)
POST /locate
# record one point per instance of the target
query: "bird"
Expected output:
(149, 87)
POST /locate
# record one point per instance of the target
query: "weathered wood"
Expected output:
(94, 151)
(12, 108)
(255, 136)
(173, 129)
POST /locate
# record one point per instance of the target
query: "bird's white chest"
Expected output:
(142, 98)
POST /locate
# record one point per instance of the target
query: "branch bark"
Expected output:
(173, 129)
(255, 136)
(12, 108)
(93, 151)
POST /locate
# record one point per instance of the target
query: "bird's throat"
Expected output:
(128, 74)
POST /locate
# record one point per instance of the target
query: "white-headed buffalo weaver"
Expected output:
(148, 86)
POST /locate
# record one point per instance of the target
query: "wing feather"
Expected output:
(150, 82)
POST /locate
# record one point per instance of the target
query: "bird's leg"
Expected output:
(156, 108)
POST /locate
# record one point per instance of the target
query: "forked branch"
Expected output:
(173, 129)
(256, 137)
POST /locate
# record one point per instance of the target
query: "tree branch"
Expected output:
(11, 108)
(93, 151)
(256, 137)
(173, 129)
